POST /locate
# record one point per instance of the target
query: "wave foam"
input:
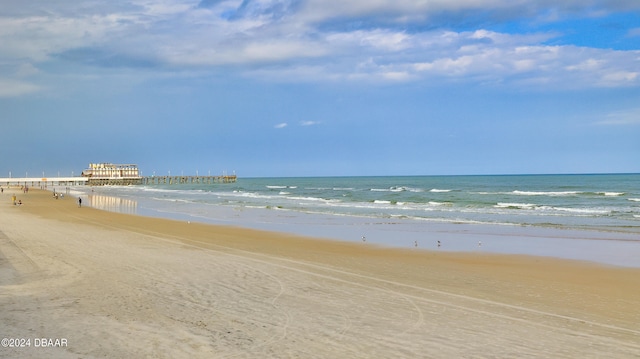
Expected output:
(516, 205)
(537, 193)
(397, 189)
(312, 199)
(434, 203)
(613, 194)
(582, 210)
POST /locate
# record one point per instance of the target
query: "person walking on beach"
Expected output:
(79, 202)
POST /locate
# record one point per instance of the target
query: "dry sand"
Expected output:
(122, 286)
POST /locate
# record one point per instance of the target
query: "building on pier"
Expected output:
(100, 174)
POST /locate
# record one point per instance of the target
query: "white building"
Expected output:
(110, 170)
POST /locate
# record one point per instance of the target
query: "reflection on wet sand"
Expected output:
(113, 204)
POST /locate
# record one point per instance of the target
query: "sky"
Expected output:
(272, 88)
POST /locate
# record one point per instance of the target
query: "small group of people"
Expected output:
(15, 201)
(57, 195)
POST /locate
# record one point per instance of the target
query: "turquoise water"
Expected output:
(601, 202)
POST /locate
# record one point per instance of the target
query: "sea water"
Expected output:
(402, 210)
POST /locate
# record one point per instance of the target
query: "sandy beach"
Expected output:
(115, 285)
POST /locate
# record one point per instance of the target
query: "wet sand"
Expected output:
(117, 285)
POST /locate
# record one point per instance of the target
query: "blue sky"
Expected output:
(320, 87)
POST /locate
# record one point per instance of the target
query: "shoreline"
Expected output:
(120, 285)
(604, 247)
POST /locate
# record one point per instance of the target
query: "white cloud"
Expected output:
(619, 78)
(295, 73)
(281, 125)
(36, 38)
(280, 40)
(395, 10)
(507, 59)
(586, 65)
(463, 11)
(383, 39)
(621, 118)
(25, 70)
(309, 123)
(164, 8)
(252, 52)
(12, 88)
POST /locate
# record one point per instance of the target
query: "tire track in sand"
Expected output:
(470, 304)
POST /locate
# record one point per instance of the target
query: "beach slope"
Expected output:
(116, 285)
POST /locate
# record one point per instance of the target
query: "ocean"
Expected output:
(399, 211)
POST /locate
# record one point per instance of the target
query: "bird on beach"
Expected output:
(364, 239)
(438, 243)
(415, 243)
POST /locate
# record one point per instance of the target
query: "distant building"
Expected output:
(112, 174)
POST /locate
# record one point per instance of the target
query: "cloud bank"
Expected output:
(322, 40)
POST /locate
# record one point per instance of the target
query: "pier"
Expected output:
(43, 181)
(112, 174)
(114, 181)
(157, 180)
